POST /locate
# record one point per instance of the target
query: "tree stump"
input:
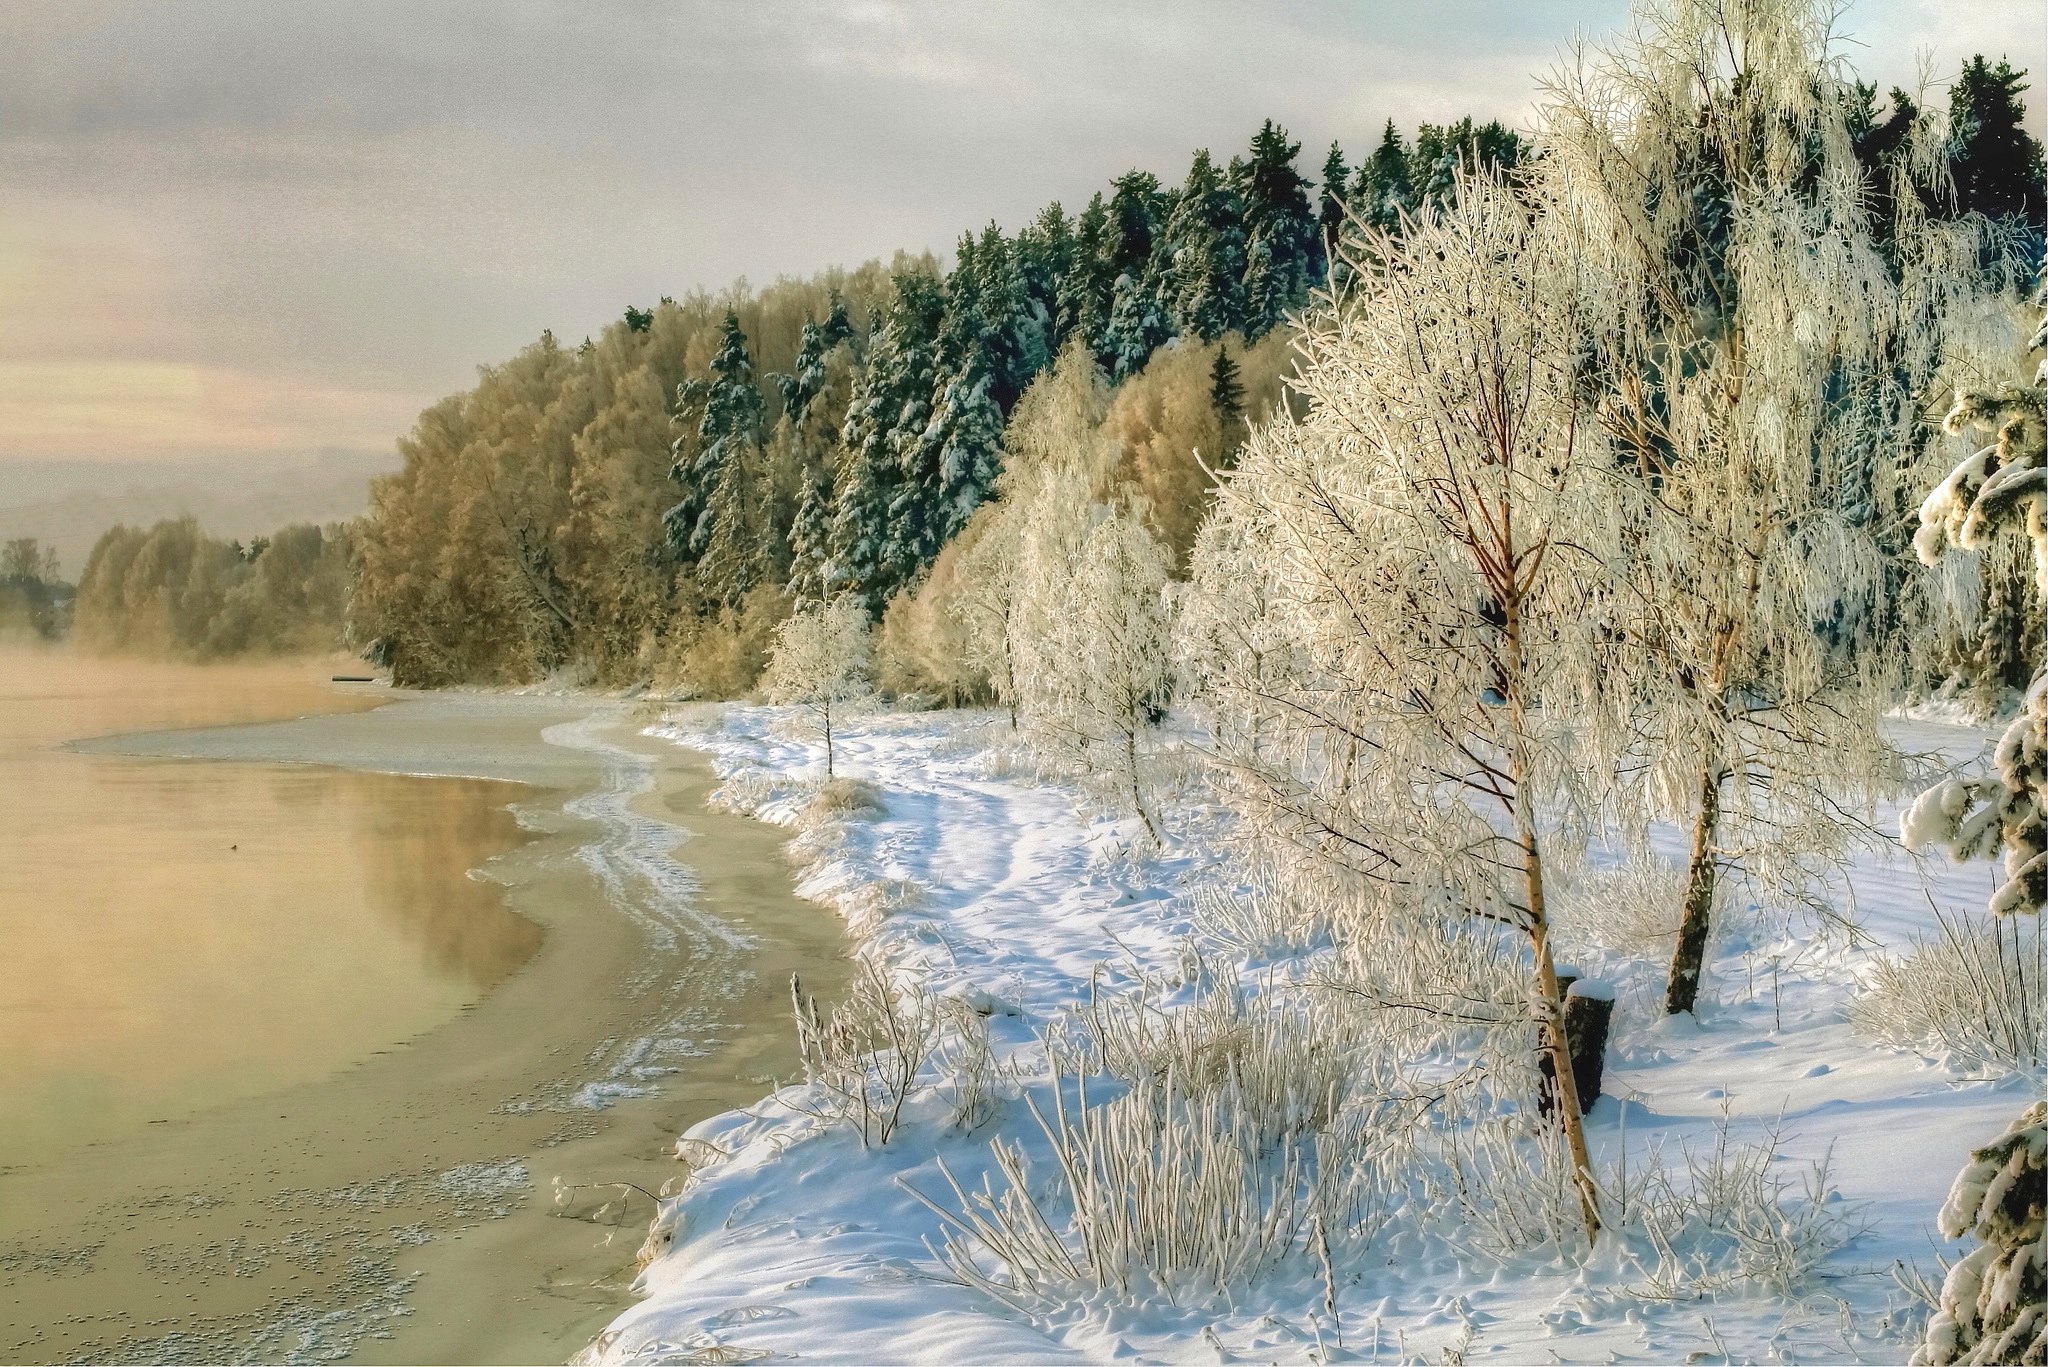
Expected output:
(1588, 1011)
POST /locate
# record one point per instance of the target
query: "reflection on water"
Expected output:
(183, 933)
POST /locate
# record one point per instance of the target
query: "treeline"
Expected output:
(35, 602)
(174, 592)
(649, 504)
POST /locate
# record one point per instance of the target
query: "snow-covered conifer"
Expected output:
(1994, 1301)
(731, 421)
(1280, 230)
(1205, 248)
(2002, 487)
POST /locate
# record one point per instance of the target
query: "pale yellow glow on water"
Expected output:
(182, 933)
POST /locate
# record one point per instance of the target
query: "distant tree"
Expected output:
(801, 387)
(1280, 230)
(1226, 396)
(822, 662)
(731, 421)
(1090, 280)
(1046, 250)
(1996, 163)
(1205, 246)
(873, 539)
(637, 319)
(1330, 209)
(1383, 191)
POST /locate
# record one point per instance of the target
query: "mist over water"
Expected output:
(182, 934)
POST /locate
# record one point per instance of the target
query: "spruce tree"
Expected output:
(732, 420)
(1280, 229)
(1226, 396)
(1089, 284)
(892, 399)
(1139, 321)
(806, 380)
(1330, 210)
(1996, 163)
(1205, 245)
(1384, 192)
(1045, 255)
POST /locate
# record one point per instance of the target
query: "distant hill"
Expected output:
(68, 504)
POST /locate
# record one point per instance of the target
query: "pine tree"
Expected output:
(1384, 192)
(1139, 322)
(732, 420)
(806, 380)
(1089, 284)
(1996, 163)
(1280, 229)
(1330, 210)
(890, 409)
(1045, 255)
(1205, 245)
(1226, 396)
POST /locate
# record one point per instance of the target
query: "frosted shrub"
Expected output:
(1160, 1193)
(1289, 1058)
(862, 1058)
(822, 664)
(1264, 920)
(843, 799)
(1719, 1220)
(1630, 910)
(1972, 990)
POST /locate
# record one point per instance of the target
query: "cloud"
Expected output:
(347, 203)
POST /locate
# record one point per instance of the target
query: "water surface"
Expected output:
(181, 934)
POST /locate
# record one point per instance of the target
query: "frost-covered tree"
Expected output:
(1055, 428)
(1758, 378)
(1093, 668)
(823, 662)
(2000, 488)
(1401, 613)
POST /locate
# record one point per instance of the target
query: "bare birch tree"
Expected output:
(821, 663)
(1435, 536)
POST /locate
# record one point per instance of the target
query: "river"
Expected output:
(307, 1005)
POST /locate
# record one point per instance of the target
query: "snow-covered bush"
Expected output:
(1629, 909)
(1974, 991)
(1158, 1192)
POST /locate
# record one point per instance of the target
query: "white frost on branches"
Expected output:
(821, 663)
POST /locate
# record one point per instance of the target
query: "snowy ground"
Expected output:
(800, 1243)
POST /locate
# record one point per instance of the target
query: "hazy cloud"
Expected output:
(301, 222)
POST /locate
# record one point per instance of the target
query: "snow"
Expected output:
(792, 1240)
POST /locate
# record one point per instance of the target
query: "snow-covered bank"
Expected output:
(793, 1239)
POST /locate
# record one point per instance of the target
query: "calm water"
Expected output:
(184, 933)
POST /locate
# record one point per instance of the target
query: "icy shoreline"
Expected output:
(794, 1240)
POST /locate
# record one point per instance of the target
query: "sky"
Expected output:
(257, 229)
